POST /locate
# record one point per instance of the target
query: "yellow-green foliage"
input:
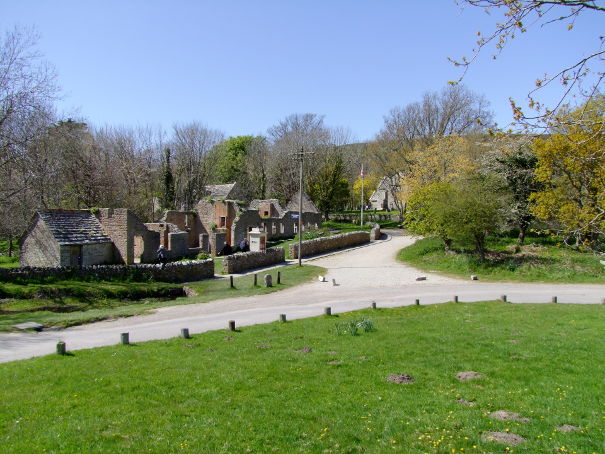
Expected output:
(571, 164)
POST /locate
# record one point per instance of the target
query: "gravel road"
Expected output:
(362, 275)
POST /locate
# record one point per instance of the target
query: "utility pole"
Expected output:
(362, 178)
(300, 155)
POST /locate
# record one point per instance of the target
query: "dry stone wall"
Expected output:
(237, 263)
(194, 270)
(330, 243)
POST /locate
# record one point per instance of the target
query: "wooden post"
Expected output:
(327, 311)
(231, 325)
(455, 298)
(185, 333)
(231, 281)
(373, 304)
(255, 279)
(417, 302)
(282, 318)
(61, 349)
(279, 277)
(603, 301)
(503, 298)
(554, 299)
(124, 339)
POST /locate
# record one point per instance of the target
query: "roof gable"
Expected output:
(220, 191)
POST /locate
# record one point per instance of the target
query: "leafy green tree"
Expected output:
(328, 188)
(571, 166)
(168, 194)
(231, 158)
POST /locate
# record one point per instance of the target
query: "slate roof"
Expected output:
(74, 226)
(220, 191)
(308, 205)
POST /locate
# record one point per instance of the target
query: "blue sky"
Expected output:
(241, 66)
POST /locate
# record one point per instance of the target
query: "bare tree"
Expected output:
(306, 131)
(191, 144)
(583, 76)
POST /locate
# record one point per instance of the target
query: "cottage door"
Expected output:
(75, 256)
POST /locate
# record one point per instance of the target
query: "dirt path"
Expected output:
(363, 275)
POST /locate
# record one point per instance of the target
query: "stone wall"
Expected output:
(330, 243)
(237, 263)
(171, 272)
(39, 247)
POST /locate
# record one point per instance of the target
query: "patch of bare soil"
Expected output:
(363, 358)
(468, 403)
(514, 341)
(400, 378)
(228, 338)
(332, 353)
(469, 375)
(568, 428)
(334, 362)
(507, 438)
(305, 350)
(504, 415)
(261, 347)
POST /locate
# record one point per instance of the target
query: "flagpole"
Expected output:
(362, 178)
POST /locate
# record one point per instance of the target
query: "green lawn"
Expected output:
(5, 260)
(300, 387)
(71, 303)
(540, 260)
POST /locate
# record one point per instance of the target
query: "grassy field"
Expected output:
(301, 387)
(5, 260)
(71, 303)
(540, 260)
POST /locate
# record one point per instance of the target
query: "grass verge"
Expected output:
(301, 387)
(538, 261)
(69, 303)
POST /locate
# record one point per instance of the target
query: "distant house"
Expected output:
(65, 238)
(383, 198)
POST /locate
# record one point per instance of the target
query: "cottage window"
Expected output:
(222, 222)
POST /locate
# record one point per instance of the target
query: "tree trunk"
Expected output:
(10, 244)
(521, 237)
(448, 244)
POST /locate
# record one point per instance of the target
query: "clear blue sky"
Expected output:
(242, 65)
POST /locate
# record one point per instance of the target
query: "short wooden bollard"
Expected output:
(503, 298)
(417, 302)
(373, 304)
(282, 318)
(185, 333)
(327, 311)
(231, 281)
(554, 299)
(455, 298)
(231, 325)
(124, 338)
(255, 280)
(279, 277)
(61, 349)
(603, 301)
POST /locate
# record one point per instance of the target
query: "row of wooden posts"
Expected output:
(125, 337)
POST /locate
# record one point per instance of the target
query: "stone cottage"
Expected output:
(65, 238)
(383, 198)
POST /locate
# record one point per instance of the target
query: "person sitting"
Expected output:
(162, 256)
(227, 250)
(243, 245)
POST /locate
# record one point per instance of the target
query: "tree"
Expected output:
(571, 166)
(328, 188)
(583, 77)
(193, 162)
(370, 183)
(231, 158)
(454, 111)
(168, 194)
(513, 164)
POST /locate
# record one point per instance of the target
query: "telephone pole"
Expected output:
(300, 156)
